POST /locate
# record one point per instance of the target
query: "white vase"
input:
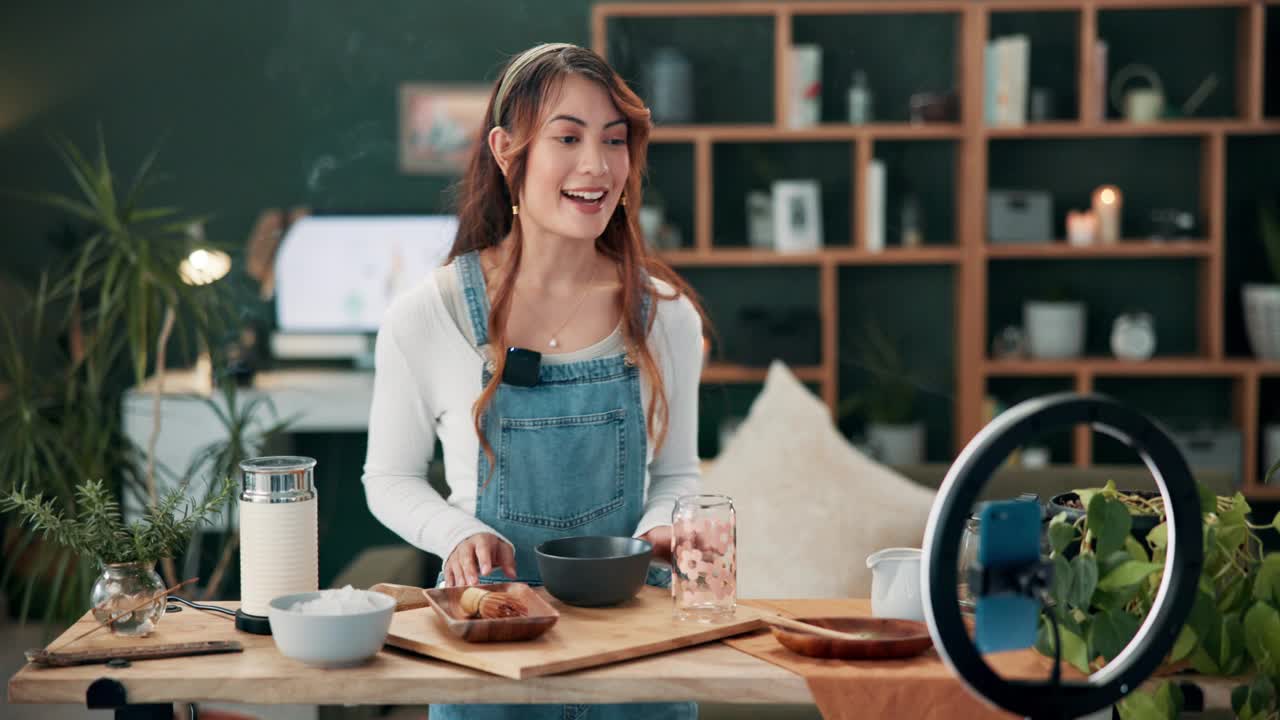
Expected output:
(897, 444)
(1055, 330)
(1262, 319)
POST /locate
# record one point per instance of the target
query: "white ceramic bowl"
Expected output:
(329, 640)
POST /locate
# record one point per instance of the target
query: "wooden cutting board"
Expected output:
(583, 637)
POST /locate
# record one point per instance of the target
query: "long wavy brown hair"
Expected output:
(484, 199)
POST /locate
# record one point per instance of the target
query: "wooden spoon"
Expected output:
(407, 597)
(789, 624)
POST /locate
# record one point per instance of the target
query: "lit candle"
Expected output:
(1107, 202)
(1082, 227)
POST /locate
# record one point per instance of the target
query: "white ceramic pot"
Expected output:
(1054, 330)
(1271, 454)
(895, 584)
(897, 444)
(1262, 319)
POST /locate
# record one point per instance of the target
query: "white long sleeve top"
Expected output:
(427, 379)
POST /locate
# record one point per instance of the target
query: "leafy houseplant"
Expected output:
(888, 401)
(1102, 594)
(101, 318)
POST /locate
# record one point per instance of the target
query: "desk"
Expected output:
(314, 401)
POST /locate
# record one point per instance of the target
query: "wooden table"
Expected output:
(713, 672)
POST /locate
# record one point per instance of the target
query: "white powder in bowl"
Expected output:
(345, 601)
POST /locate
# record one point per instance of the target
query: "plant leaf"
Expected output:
(1183, 646)
(1109, 522)
(1266, 582)
(1084, 580)
(1262, 637)
(1111, 631)
(1136, 551)
(1062, 532)
(1075, 650)
(1062, 582)
(1128, 573)
(1158, 538)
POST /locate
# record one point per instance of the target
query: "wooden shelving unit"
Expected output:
(971, 256)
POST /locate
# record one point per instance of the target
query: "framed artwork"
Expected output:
(797, 215)
(438, 125)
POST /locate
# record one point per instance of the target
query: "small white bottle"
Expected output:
(859, 99)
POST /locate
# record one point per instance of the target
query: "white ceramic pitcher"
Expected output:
(895, 584)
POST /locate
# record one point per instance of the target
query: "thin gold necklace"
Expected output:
(554, 342)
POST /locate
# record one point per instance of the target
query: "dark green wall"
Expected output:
(294, 103)
(258, 104)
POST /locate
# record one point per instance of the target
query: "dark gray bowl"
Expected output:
(596, 570)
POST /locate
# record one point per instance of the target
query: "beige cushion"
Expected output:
(810, 507)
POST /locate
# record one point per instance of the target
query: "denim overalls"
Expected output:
(570, 456)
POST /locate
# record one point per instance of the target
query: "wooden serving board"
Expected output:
(583, 637)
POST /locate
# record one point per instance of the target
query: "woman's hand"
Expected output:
(660, 537)
(478, 555)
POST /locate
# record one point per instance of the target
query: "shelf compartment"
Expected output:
(748, 308)
(1193, 43)
(924, 331)
(1121, 128)
(928, 171)
(1182, 405)
(1054, 54)
(1009, 391)
(670, 187)
(740, 168)
(1165, 287)
(1251, 179)
(871, 42)
(1152, 173)
(633, 40)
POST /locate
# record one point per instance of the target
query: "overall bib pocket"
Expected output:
(576, 461)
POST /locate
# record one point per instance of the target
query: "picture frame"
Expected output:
(439, 125)
(797, 216)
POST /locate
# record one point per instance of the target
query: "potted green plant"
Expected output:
(1262, 300)
(1104, 591)
(129, 593)
(887, 402)
(104, 315)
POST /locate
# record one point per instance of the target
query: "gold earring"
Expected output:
(624, 199)
(515, 210)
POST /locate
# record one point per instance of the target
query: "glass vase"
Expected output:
(704, 582)
(122, 592)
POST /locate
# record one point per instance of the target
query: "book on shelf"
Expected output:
(1006, 71)
(875, 200)
(1099, 80)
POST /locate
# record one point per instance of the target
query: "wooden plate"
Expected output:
(877, 638)
(446, 603)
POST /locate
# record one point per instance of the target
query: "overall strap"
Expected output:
(477, 297)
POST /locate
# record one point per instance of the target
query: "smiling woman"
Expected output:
(555, 358)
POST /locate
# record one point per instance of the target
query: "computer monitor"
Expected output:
(337, 274)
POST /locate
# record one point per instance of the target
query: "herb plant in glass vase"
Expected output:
(129, 594)
(1108, 555)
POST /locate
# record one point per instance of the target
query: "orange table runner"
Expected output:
(919, 687)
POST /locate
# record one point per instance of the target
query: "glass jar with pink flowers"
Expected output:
(704, 583)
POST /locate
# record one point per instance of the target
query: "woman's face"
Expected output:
(577, 164)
